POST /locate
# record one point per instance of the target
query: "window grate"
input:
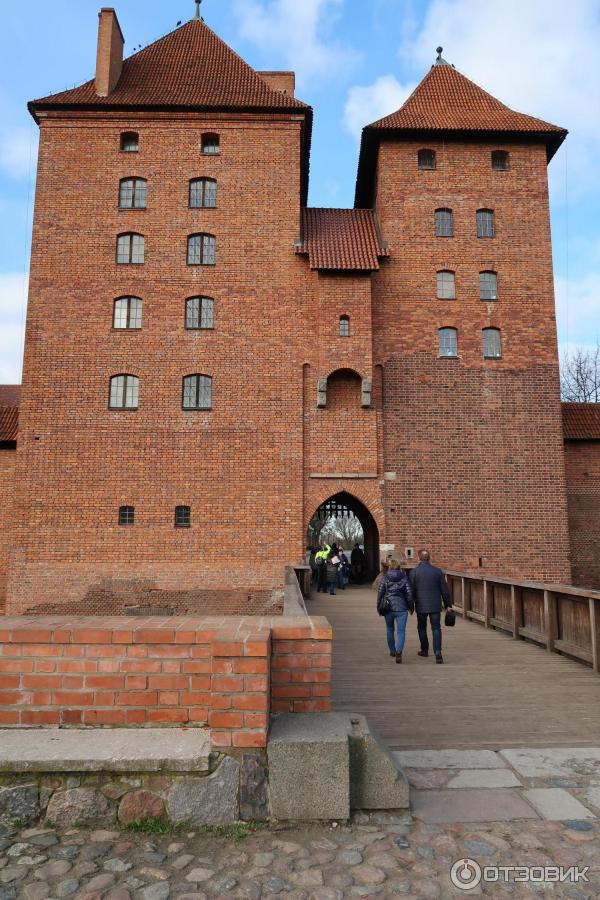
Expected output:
(124, 392)
(183, 517)
(448, 342)
(130, 249)
(203, 193)
(426, 159)
(199, 313)
(127, 313)
(500, 160)
(485, 223)
(130, 142)
(210, 144)
(197, 392)
(444, 225)
(492, 344)
(201, 250)
(127, 515)
(344, 326)
(446, 286)
(133, 193)
(488, 286)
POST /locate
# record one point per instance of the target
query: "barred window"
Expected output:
(124, 392)
(127, 313)
(500, 160)
(488, 286)
(183, 517)
(485, 223)
(133, 193)
(126, 515)
(344, 326)
(197, 392)
(446, 285)
(199, 313)
(203, 193)
(444, 226)
(201, 250)
(210, 143)
(426, 159)
(130, 142)
(448, 342)
(130, 249)
(492, 345)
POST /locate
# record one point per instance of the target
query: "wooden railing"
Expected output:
(562, 619)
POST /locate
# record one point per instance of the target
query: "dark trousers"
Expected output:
(321, 578)
(436, 631)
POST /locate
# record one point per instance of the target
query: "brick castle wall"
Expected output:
(7, 493)
(583, 494)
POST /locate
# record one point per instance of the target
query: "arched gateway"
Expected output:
(344, 506)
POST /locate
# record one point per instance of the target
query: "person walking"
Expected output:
(331, 568)
(357, 560)
(343, 570)
(321, 561)
(396, 586)
(431, 593)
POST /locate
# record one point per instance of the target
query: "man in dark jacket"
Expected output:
(430, 592)
(357, 560)
(396, 586)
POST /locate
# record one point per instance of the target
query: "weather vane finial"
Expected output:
(198, 16)
(439, 51)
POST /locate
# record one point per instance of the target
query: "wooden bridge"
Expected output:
(509, 684)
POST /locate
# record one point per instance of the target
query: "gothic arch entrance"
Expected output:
(345, 508)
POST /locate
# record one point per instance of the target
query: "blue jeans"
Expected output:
(341, 578)
(400, 619)
(331, 587)
(436, 631)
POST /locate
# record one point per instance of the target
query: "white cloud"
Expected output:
(18, 152)
(301, 30)
(366, 104)
(13, 295)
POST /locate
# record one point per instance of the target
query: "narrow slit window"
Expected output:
(203, 193)
(448, 342)
(211, 144)
(492, 344)
(201, 250)
(446, 285)
(130, 142)
(444, 225)
(197, 392)
(183, 517)
(124, 392)
(485, 223)
(126, 515)
(199, 313)
(426, 159)
(127, 313)
(344, 326)
(500, 160)
(130, 249)
(133, 193)
(488, 286)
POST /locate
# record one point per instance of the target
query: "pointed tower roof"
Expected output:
(447, 104)
(190, 68)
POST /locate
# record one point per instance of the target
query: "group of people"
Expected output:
(424, 591)
(332, 569)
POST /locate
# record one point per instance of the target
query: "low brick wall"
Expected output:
(226, 674)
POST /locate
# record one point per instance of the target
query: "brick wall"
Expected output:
(225, 675)
(7, 492)
(583, 493)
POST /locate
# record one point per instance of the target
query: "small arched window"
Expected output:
(448, 342)
(485, 223)
(201, 250)
(203, 193)
(500, 160)
(488, 286)
(446, 285)
(492, 345)
(124, 392)
(130, 249)
(197, 392)
(130, 142)
(199, 313)
(426, 159)
(210, 143)
(127, 313)
(444, 226)
(344, 326)
(133, 193)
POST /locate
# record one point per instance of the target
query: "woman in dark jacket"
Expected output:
(396, 586)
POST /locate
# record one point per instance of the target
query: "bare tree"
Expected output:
(580, 375)
(344, 530)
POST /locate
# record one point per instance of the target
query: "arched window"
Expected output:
(130, 249)
(485, 223)
(448, 342)
(500, 160)
(124, 392)
(210, 143)
(133, 193)
(126, 515)
(344, 326)
(426, 159)
(199, 313)
(197, 392)
(130, 142)
(446, 285)
(488, 286)
(201, 250)
(203, 193)
(492, 345)
(444, 226)
(127, 313)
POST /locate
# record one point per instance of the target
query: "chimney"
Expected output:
(109, 60)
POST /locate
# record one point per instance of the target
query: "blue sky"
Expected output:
(355, 62)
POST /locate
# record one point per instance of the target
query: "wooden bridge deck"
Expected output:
(492, 692)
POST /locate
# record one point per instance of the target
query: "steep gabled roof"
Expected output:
(189, 68)
(581, 421)
(447, 104)
(336, 239)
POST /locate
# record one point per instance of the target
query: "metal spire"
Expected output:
(440, 61)
(198, 16)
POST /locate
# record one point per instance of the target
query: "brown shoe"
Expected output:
(398, 657)
(423, 653)
(439, 658)
(393, 654)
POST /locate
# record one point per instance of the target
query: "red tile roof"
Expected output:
(9, 423)
(190, 67)
(581, 421)
(341, 239)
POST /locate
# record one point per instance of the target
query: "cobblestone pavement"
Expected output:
(384, 856)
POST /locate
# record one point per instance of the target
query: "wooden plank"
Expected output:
(550, 625)
(516, 619)
(487, 604)
(573, 650)
(595, 632)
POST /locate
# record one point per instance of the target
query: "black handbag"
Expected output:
(384, 605)
(450, 619)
